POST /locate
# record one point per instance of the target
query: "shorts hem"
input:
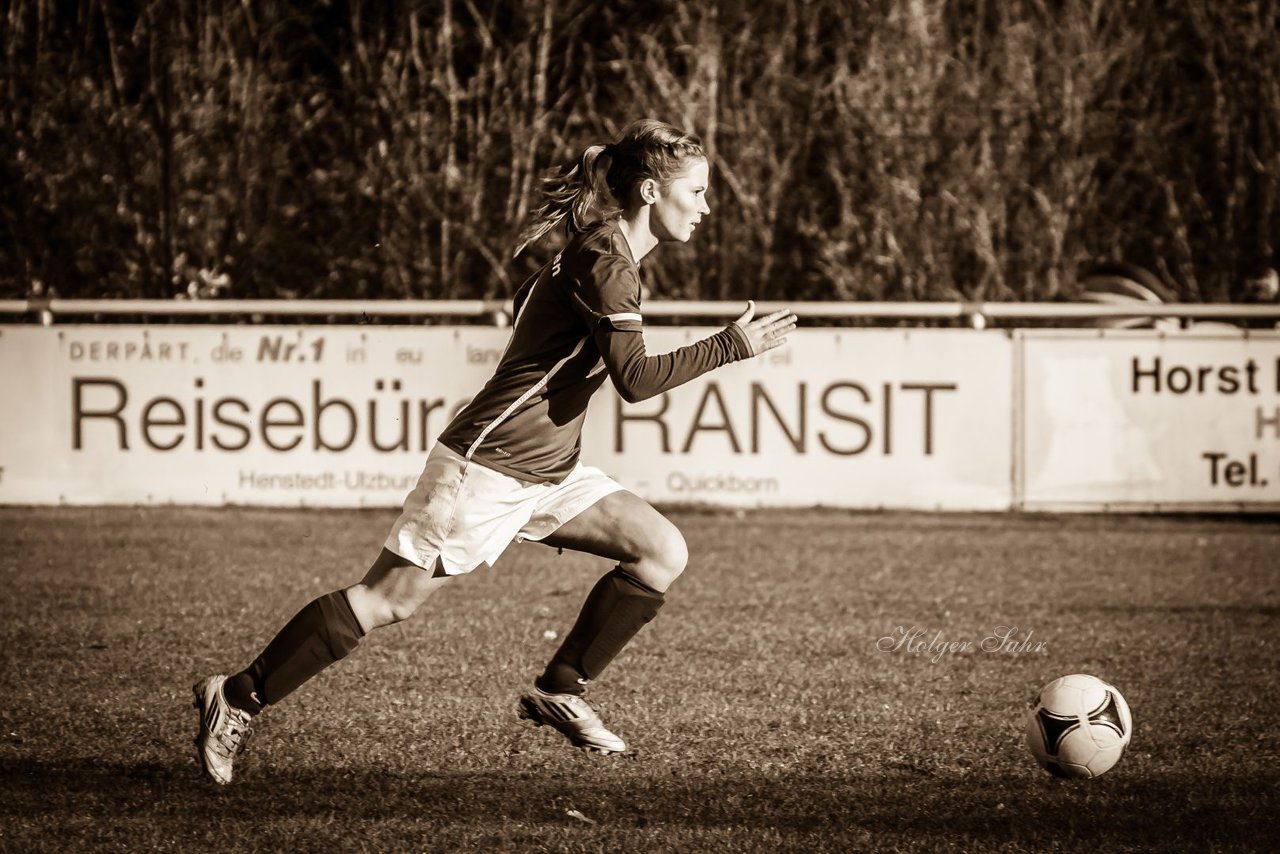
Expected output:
(566, 515)
(450, 567)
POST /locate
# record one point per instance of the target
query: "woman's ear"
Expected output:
(648, 191)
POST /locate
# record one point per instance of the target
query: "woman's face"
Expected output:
(678, 208)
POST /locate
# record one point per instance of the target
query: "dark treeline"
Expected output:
(862, 149)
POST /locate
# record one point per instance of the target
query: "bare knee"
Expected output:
(392, 591)
(663, 557)
(377, 608)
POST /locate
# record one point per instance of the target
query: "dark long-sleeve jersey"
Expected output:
(576, 321)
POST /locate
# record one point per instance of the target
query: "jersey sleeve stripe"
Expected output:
(624, 317)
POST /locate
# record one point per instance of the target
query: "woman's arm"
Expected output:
(638, 376)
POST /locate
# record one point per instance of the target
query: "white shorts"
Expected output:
(466, 514)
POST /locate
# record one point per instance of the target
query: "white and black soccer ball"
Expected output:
(1079, 726)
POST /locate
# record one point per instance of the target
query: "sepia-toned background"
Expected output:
(862, 149)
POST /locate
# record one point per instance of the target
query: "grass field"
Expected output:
(763, 711)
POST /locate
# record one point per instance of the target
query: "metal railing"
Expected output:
(499, 311)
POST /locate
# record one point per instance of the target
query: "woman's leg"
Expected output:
(326, 630)
(651, 553)
(329, 628)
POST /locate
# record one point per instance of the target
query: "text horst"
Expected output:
(1154, 375)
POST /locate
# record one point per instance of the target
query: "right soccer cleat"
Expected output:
(223, 729)
(573, 717)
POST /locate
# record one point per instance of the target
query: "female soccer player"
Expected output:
(507, 467)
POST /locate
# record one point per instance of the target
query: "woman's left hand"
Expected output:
(765, 333)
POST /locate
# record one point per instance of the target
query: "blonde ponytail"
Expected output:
(572, 192)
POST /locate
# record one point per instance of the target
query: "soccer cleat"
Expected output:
(224, 729)
(573, 717)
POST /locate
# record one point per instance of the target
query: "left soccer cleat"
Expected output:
(573, 717)
(223, 729)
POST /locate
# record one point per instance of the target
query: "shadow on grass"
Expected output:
(1194, 610)
(1165, 812)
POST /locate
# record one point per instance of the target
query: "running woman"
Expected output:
(507, 467)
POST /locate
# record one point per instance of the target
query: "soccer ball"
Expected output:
(1079, 726)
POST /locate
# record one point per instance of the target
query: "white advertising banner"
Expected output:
(344, 416)
(865, 418)
(1130, 418)
(228, 415)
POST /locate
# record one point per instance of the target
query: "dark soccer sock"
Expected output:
(321, 633)
(616, 609)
